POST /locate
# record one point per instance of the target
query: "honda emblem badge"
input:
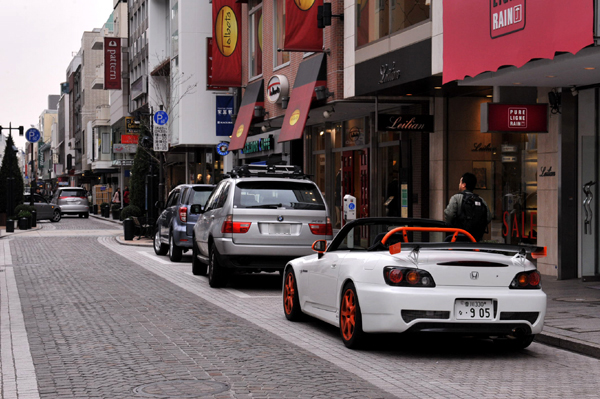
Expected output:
(474, 275)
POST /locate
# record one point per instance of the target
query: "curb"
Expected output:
(122, 241)
(570, 344)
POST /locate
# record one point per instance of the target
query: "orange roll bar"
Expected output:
(404, 230)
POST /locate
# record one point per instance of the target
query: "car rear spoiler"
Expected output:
(536, 252)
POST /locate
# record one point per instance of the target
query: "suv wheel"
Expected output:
(216, 274)
(159, 247)
(198, 268)
(174, 251)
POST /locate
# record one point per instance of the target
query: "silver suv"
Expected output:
(173, 234)
(257, 219)
(72, 201)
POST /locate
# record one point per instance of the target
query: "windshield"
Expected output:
(278, 194)
(72, 193)
(200, 197)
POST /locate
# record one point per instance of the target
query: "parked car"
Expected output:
(174, 226)
(72, 201)
(257, 219)
(391, 285)
(44, 210)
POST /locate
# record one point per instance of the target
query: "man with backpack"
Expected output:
(467, 210)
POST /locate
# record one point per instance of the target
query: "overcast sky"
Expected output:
(39, 39)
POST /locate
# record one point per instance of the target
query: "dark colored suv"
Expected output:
(174, 227)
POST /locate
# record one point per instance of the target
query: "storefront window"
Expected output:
(281, 57)
(355, 133)
(255, 44)
(378, 18)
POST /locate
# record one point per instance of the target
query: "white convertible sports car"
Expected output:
(382, 275)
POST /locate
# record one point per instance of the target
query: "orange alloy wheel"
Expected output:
(288, 293)
(348, 314)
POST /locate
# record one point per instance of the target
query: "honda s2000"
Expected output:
(395, 275)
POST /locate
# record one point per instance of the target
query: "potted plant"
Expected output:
(116, 211)
(24, 219)
(104, 209)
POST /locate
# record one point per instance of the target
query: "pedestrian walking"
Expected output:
(466, 210)
(126, 196)
(116, 199)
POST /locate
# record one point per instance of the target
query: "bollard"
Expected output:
(128, 227)
(33, 218)
(10, 226)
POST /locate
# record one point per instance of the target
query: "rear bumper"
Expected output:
(251, 257)
(382, 309)
(74, 209)
(180, 235)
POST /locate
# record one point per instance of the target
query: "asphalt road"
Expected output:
(85, 317)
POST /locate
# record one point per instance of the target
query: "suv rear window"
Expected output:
(200, 195)
(276, 194)
(72, 193)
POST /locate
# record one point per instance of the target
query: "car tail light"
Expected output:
(183, 214)
(527, 280)
(321, 229)
(407, 277)
(229, 226)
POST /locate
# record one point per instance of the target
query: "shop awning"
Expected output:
(253, 96)
(311, 73)
(486, 35)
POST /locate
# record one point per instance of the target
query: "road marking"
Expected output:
(155, 258)
(16, 364)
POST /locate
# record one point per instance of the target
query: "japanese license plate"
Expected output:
(473, 309)
(279, 228)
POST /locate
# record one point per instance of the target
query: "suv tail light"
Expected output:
(321, 229)
(229, 226)
(183, 214)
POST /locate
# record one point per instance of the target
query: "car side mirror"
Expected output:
(159, 205)
(320, 246)
(196, 209)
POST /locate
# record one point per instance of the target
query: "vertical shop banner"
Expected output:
(112, 63)
(483, 35)
(301, 31)
(312, 72)
(254, 96)
(209, 67)
(227, 44)
(224, 112)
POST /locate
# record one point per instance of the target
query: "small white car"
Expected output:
(391, 275)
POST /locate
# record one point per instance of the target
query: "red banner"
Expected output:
(209, 67)
(129, 138)
(112, 63)
(483, 35)
(301, 31)
(227, 44)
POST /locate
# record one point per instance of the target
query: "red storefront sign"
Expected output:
(209, 67)
(483, 35)
(112, 63)
(514, 118)
(227, 43)
(301, 28)
(129, 138)
(517, 225)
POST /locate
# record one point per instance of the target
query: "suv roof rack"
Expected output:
(291, 171)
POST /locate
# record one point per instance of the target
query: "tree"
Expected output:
(10, 168)
(141, 168)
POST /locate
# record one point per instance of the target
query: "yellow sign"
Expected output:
(294, 118)
(304, 4)
(240, 130)
(226, 31)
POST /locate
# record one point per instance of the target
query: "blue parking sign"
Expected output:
(161, 117)
(33, 135)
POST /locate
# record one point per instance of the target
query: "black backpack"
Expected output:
(472, 215)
